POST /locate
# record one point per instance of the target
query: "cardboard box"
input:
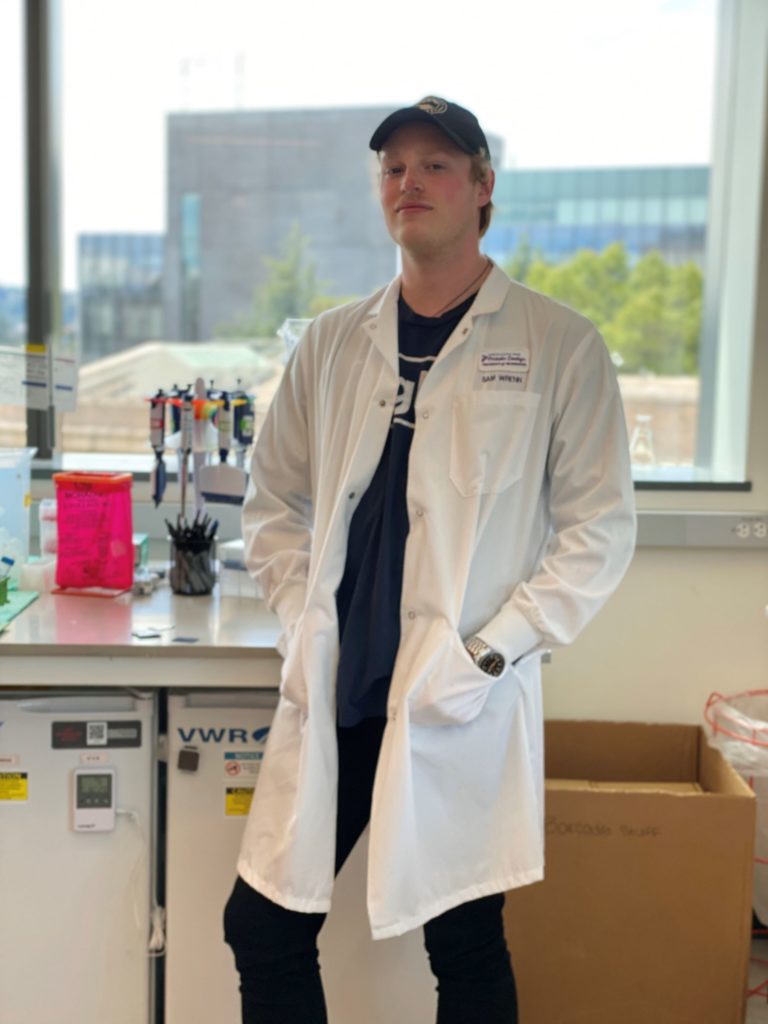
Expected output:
(644, 916)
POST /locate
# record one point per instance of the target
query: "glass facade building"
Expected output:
(556, 213)
(120, 279)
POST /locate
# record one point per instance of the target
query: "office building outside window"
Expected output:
(120, 288)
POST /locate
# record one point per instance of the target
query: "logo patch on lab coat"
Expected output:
(490, 361)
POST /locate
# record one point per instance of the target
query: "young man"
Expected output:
(441, 490)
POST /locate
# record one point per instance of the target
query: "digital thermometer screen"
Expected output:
(94, 791)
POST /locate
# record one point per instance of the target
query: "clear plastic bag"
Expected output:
(739, 730)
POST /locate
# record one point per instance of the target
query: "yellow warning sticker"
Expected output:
(238, 801)
(13, 785)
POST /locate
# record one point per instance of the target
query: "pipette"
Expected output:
(157, 440)
(185, 446)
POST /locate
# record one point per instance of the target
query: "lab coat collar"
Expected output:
(493, 293)
(381, 324)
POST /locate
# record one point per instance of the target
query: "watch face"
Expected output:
(492, 663)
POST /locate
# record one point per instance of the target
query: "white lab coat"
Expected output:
(521, 525)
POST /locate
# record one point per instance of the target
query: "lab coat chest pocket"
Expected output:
(490, 436)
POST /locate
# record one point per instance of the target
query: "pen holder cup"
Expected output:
(192, 570)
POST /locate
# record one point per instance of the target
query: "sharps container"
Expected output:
(15, 493)
(95, 530)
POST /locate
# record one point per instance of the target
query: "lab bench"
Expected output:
(207, 641)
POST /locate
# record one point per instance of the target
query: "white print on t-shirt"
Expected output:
(404, 397)
(406, 392)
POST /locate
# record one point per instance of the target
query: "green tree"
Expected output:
(649, 314)
(521, 260)
(657, 329)
(593, 283)
(650, 271)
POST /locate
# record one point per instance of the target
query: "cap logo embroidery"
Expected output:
(432, 105)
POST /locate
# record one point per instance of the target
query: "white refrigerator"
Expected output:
(77, 781)
(215, 744)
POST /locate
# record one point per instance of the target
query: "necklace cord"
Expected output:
(466, 288)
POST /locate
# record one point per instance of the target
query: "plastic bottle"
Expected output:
(642, 452)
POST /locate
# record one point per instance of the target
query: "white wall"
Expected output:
(682, 624)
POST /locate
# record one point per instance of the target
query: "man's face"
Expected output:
(429, 201)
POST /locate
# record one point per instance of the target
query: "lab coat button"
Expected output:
(411, 615)
(419, 511)
(382, 403)
(425, 415)
(351, 495)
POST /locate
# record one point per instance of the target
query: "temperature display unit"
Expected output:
(93, 799)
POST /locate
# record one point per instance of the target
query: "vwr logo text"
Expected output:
(223, 735)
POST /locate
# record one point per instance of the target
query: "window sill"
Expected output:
(659, 478)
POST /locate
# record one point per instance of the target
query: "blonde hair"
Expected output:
(479, 170)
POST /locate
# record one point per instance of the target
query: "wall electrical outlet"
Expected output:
(703, 529)
(751, 528)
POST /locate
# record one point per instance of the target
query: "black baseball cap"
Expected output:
(459, 124)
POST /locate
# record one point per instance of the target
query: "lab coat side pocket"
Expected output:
(293, 685)
(455, 690)
(491, 433)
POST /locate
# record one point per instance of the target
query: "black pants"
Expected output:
(276, 949)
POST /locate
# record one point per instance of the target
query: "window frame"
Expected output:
(733, 269)
(737, 195)
(42, 76)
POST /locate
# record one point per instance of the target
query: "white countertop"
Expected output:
(66, 640)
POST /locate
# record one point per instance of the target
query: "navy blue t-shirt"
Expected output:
(368, 598)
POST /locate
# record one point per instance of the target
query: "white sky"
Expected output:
(566, 84)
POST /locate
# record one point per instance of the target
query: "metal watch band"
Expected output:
(484, 656)
(477, 648)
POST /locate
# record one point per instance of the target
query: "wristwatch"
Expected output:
(486, 659)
